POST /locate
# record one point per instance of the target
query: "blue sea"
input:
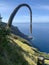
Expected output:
(40, 34)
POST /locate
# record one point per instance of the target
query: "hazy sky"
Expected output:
(40, 10)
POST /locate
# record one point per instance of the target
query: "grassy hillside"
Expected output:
(15, 50)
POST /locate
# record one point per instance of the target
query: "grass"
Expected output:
(30, 53)
(47, 62)
(15, 50)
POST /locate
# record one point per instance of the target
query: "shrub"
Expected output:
(3, 35)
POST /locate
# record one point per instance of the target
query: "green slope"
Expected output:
(15, 50)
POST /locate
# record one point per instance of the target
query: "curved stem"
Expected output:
(14, 13)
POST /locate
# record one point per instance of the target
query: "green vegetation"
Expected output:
(9, 51)
(15, 50)
(3, 35)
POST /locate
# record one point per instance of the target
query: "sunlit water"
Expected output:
(40, 32)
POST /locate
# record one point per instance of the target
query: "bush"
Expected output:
(3, 35)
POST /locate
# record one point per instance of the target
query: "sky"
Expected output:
(40, 11)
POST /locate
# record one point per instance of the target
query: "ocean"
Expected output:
(40, 34)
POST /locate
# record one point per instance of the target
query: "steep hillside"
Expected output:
(15, 50)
